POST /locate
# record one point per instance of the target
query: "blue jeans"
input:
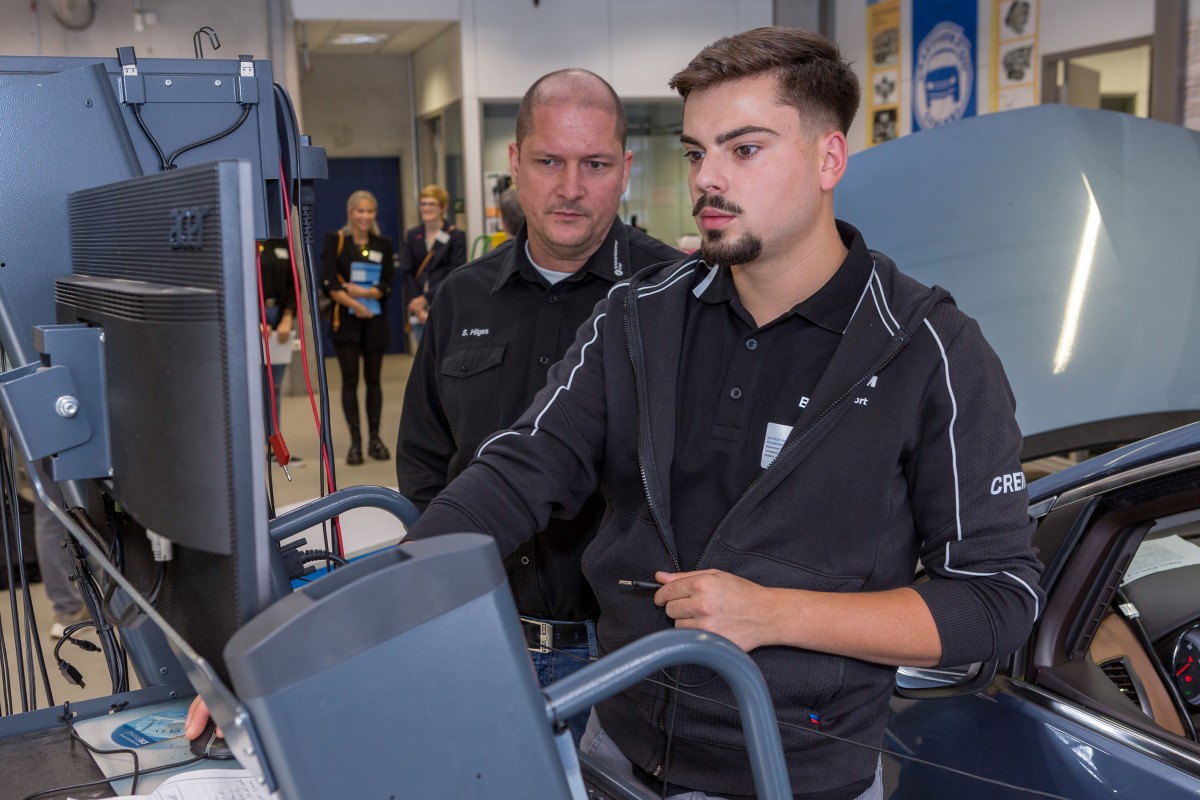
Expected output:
(560, 663)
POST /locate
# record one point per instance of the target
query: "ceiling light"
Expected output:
(359, 38)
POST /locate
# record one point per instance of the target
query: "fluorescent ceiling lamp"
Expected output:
(359, 38)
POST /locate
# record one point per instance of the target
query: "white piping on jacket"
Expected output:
(957, 495)
(668, 281)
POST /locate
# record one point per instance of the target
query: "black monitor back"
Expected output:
(164, 264)
(69, 123)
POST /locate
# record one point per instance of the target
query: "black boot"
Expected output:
(354, 454)
(377, 449)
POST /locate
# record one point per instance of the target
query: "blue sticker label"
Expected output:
(150, 729)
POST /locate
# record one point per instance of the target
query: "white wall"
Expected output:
(241, 28)
(634, 44)
(358, 105)
(437, 70)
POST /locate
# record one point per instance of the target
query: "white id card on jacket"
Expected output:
(773, 442)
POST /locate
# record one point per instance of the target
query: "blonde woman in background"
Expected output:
(357, 271)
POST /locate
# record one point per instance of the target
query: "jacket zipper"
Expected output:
(887, 358)
(637, 386)
(661, 722)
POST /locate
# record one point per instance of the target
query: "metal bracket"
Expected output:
(58, 407)
(247, 83)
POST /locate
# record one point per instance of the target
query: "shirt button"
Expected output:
(543, 361)
(735, 393)
(525, 561)
(752, 344)
(552, 298)
(462, 367)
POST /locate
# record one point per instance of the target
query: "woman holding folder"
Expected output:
(357, 274)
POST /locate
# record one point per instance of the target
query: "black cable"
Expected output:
(6, 707)
(137, 115)
(7, 479)
(114, 751)
(64, 789)
(322, 555)
(170, 162)
(114, 651)
(303, 200)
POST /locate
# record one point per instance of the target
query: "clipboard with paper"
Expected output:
(366, 274)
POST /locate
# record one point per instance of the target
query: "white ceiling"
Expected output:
(401, 38)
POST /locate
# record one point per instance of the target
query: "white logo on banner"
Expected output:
(943, 77)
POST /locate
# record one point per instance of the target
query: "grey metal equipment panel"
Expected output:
(58, 133)
(402, 675)
(1072, 236)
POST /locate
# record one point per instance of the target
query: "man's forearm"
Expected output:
(891, 627)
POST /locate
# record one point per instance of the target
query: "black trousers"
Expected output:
(349, 354)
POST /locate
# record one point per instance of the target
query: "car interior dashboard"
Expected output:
(1148, 642)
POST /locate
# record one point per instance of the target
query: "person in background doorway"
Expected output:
(55, 561)
(357, 270)
(431, 250)
(511, 215)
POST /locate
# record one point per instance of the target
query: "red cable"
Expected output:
(312, 400)
(266, 334)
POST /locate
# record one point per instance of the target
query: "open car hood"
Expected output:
(1072, 236)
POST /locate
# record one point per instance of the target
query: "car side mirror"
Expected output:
(922, 683)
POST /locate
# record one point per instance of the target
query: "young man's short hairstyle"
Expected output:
(572, 87)
(812, 75)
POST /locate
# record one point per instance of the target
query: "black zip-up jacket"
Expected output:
(859, 492)
(493, 332)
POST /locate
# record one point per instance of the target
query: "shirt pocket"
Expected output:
(471, 377)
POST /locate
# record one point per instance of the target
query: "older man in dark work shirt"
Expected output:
(501, 321)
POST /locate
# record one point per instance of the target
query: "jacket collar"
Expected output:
(888, 309)
(831, 306)
(610, 262)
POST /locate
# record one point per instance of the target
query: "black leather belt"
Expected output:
(542, 637)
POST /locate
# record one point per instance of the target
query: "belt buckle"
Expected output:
(545, 635)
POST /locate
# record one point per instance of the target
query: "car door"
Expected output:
(1081, 711)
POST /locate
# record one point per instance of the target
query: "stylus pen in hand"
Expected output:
(648, 586)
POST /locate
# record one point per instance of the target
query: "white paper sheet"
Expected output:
(206, 784)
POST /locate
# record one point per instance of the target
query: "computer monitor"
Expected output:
(73, 123)
(164, 265)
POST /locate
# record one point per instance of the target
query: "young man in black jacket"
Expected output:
(782, 427)
(498, 324)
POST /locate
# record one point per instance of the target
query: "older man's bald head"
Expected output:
(571, 87)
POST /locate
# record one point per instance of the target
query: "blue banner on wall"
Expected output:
(944, 52)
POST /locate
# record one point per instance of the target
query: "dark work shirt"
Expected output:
(494, 330)
(278, 283)
(746, 387)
